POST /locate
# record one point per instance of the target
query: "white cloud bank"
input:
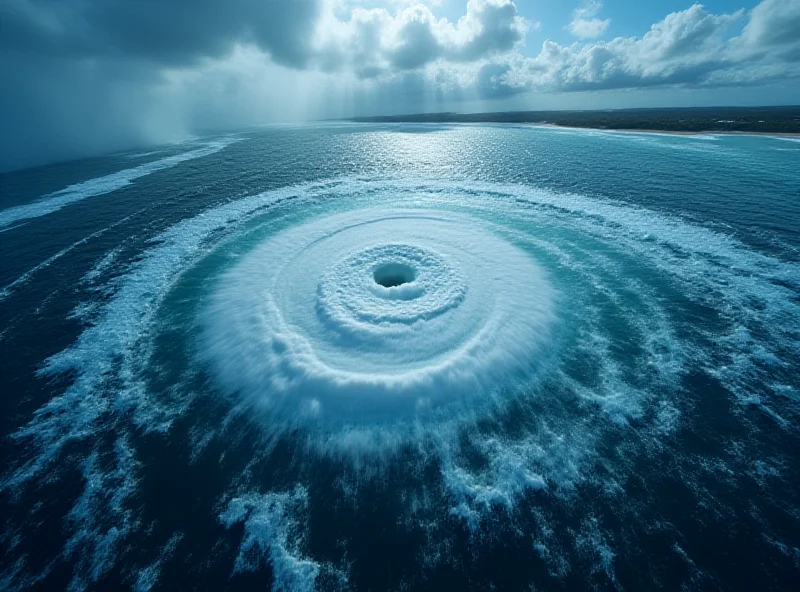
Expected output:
(688, 48)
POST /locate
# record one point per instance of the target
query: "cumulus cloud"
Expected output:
(688, 48)
(489, 27)
(772, 31)
(585, 24)
(377, 41)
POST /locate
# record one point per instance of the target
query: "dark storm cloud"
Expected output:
(172, 32)
(85, 76)
(56, 109)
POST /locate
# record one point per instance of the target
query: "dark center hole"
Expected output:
(391, 275)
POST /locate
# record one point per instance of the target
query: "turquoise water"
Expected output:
(404, 357)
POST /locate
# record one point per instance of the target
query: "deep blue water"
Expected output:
(589, 377)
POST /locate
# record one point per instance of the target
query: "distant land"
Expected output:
(765, 120)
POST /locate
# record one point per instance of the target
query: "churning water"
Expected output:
(404, 357)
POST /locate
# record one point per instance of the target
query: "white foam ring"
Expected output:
(302, 327)
(429, 314)
(52, 202)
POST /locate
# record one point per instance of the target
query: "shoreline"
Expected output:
(668, 132)
(777, 122)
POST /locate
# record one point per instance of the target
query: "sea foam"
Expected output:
(329, 317)
(52, 202)
(376, 315)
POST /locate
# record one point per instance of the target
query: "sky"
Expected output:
(83, 77)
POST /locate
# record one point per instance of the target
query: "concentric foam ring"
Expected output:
(388, 287)
(377, 314)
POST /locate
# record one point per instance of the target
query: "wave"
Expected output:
(52, 202)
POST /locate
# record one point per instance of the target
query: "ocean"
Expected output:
(403, 357)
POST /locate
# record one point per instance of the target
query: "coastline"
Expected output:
(668, 132)
(777, 122)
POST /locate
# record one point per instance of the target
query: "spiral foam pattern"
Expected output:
(377, 314)
(481, 346)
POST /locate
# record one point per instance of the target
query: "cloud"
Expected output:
(489, 27)
(688, 48)
(584, 23)
(773, 30)
(69, 108)
(301, 34)
(160, 31)
(375, 42)
(90, 76)
(415, 41)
